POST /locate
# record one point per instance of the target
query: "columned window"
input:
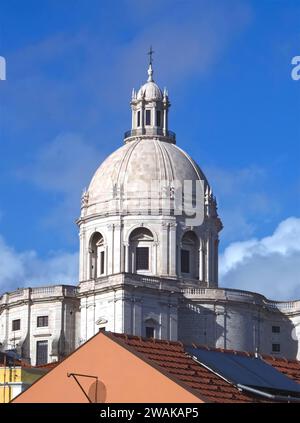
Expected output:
(185, 261)
(148, 117)
(189, 257)
(141, 251)
(142, 258)
(102, 264)
(151, 328)
(149, 332)
(97, 256)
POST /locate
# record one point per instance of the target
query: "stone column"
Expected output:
(126, 258)
(207, 260)
(179, 247)
(142, 116)
(98, 262)
(117, 248)
(83, 256)
(165, 124)
(216, 260)
(137, 316)
(172, 249)
(106, 258)
(110, 249)
(173, 316)
(164, 247)
(201, 262)
(133, 119)
(154, 261)
(211, 260)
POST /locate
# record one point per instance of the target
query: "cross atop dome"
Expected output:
(150, 53)
(150, 69)
(150, 106)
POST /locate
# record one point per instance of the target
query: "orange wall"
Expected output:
(122, 376)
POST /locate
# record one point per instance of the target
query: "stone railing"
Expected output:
(26, 294)
(284, 306)
(45, 290)
(222, 294)
(129, 279)
(17, 293)
(54, 291)
(240, 296)
(152, 281)
(150, 132)
(194, 291)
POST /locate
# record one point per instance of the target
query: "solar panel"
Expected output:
(249, 371)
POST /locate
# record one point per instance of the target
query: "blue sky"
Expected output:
(71, 66)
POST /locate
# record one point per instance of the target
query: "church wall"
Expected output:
(286, 338)
(241, 322)
(29, 304)
(70, 327)
(197, 323)
(99, 311)
(3, 328)
(48, 333)
(296, 332)
(9, 338)
(117, 239)
(128, 309)
(236, 324)
(143, 308)
(165, 250)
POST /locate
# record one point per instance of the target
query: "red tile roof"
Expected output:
(49, 366)
(171, 359)
(290, 368)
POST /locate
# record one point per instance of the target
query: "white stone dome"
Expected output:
(127, 173)
(150, 91)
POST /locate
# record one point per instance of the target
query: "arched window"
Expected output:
(97, 256)
(189, 259)
(141, 240)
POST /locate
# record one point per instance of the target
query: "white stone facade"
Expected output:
(240, 320)
(19, 327)
(144, 268)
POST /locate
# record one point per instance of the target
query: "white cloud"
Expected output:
(270, 265)
(18, 269)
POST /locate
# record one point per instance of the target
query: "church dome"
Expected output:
(149, 172)
(150, 91)
(127, 175)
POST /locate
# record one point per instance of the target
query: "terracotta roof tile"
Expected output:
(174, 361)
(48, 365)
